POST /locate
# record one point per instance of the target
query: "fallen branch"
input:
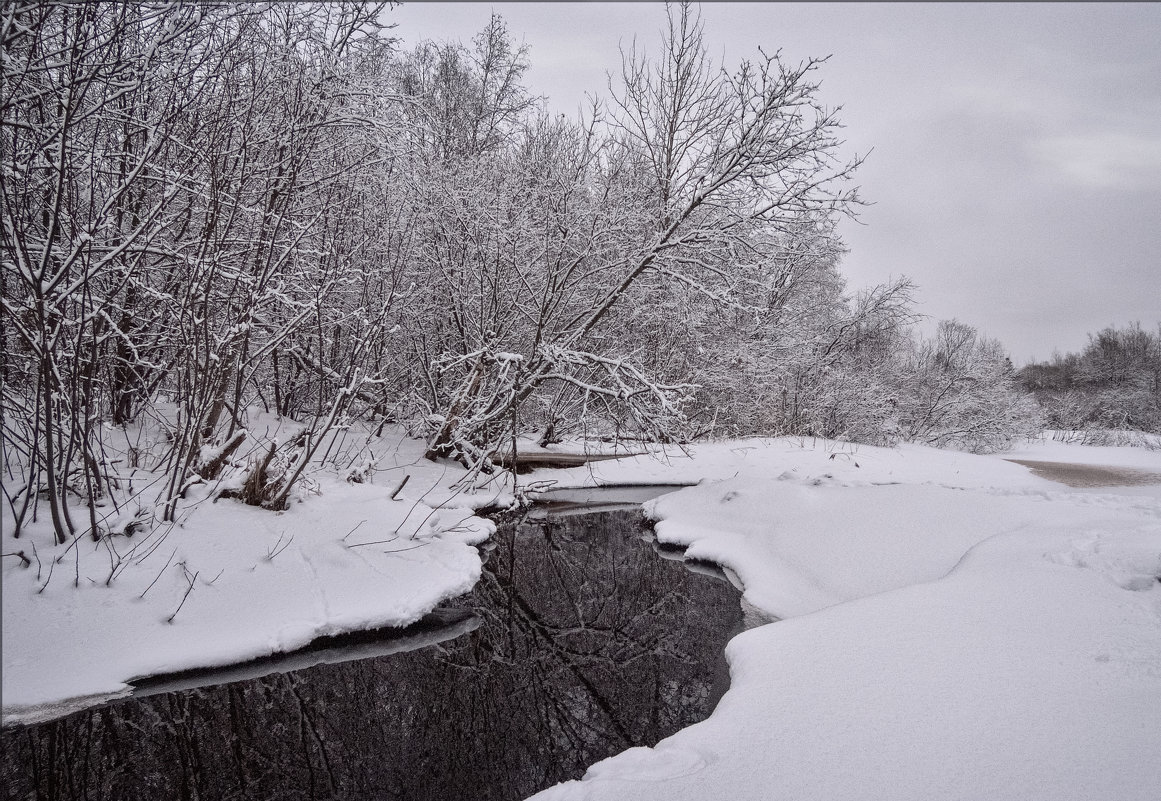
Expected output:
(20, 554)
(210, 469)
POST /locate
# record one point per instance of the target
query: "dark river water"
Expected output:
(577, 643)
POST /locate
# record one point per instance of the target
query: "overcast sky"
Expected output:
(1016, 163)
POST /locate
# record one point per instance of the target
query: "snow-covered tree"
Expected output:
(688, 184)
(961, 391)
(1113, 384)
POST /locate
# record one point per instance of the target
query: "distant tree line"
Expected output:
(210, 209)
(1113, 384)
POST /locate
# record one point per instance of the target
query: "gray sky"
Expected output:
(1016, 164)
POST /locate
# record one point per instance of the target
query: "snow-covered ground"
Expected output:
(244, 582)
(952, 626)
(955, 627)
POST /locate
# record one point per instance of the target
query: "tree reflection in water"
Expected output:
(589, 644)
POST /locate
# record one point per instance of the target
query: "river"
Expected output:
(577, 643)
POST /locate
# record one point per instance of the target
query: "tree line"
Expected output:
(211, 209)
(1113, 384)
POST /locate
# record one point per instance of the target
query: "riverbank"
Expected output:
(576, 643)
(953, 627)
(226, 582)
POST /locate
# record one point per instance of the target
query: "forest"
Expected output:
(1106, 394)
(212, 211)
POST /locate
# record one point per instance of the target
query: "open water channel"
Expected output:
(577, 643)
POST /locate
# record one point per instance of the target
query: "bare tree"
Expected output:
(695, 173)
(173, 195)
(84, 209)
(1113, 385)
(961, 392)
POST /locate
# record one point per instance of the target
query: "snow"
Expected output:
(345, 558)
(954, 628)
(946, 625)
(1051, 451)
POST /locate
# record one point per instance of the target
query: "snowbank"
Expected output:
(1050, 450)
(802, 458)
(957, 629)
(229, 582)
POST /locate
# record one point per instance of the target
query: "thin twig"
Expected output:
(51, 565)
(188, 590)
(434, 509)
(352, 531)
(154, 546)
(412, 548)
(147, 589)
(375, 542)
(273, 552)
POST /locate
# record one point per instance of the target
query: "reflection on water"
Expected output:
(588, 643)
